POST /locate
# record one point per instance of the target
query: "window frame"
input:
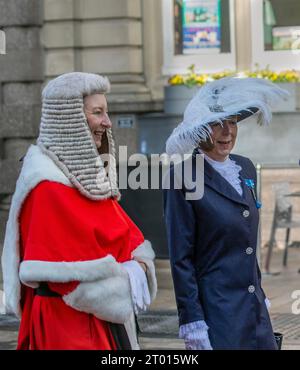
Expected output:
(204, 62)
(276, 59)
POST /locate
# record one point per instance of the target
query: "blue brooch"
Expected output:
(250, 184)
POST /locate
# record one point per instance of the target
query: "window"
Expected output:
(276, 33)
(198, 32)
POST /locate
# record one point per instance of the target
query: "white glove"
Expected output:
(139, 286)
(195, 335)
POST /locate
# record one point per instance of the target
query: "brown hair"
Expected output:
(206, 145)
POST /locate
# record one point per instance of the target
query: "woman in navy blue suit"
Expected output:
(212, 240)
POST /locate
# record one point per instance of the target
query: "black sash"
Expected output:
(120, 336)
(44, 291)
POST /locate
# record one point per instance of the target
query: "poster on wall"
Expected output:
(201, 26)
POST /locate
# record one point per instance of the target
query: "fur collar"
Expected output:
(37, 167)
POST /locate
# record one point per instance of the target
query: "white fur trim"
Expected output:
(144, 250)
(104, 288)
(33, 272)
(130, 327)
(37, 167)
(145, 253)
(108, 299)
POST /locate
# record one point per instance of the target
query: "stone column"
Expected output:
(243, 34)
(22, 74)
(94, 36)
(103, 37)
(153, 47)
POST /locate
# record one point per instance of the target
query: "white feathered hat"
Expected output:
(219, 100)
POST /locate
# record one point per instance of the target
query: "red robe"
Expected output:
(58, 224)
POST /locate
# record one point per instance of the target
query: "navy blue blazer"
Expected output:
(212, 246)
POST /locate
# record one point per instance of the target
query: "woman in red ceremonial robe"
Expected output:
(76, 268)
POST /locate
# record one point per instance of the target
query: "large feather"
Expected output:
(232, 95)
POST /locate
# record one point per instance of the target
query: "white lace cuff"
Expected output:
(192, 329)
(195, 335)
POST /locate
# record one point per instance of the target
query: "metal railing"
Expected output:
(289, 223)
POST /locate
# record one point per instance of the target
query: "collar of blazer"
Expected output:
(216, 181)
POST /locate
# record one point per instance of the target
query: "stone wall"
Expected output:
(21, 78)
(277, 143)
(116, 38)
(104, 37)
(46, 38)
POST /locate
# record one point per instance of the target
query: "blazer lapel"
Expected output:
(247, 194)
(216, 181)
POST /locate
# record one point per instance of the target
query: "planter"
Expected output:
(177, 98)
(293, 102)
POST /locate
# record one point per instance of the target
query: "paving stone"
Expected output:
(8, 332)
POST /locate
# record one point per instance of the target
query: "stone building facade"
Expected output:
(46, 38)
